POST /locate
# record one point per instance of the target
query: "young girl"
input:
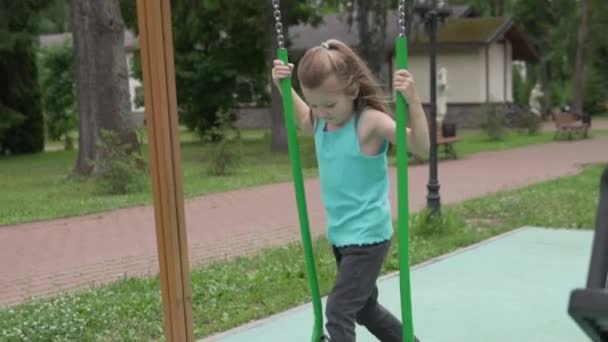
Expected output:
(347, 113)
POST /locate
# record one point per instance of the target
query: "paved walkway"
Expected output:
(45, 258)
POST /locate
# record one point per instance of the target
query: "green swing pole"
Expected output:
(294, 149)
(402, 188)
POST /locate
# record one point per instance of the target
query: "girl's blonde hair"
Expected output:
(335, 58)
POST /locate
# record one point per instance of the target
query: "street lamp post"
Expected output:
(432, 12)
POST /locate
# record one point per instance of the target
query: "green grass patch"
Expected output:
(475, 141)
(232, 293)
(603, 115)
(37, 187)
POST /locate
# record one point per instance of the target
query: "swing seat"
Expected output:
(589, 309)
(589, 306)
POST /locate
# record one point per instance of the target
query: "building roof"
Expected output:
(304, 36)
(464, 31)
(481, 31)
(461, 28)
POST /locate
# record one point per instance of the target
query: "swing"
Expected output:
(402, 184)
(589, 306)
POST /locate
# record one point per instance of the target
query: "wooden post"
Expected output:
(156, 44)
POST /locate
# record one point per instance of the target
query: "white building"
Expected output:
(478, 53)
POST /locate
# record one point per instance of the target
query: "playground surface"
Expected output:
(514, 287)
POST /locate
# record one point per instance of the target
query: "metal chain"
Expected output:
(402, 18)
(278, 25)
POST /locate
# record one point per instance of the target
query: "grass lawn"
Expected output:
(232, 293)
(36, 187)
(601, 116)
(475, 141)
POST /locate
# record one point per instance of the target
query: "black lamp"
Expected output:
(432, 12)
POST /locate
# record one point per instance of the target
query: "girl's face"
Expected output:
(330, 102)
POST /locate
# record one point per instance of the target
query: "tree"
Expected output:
(578, 82)
(371, 24)
(21, 122)
(223, 53)
(596, 81)
(550, 26)
(55, 17)
(101, 80)
(219, 59)
(58, 98)
(498, 8)
(370, 19)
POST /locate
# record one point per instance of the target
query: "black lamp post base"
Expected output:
(433, 199)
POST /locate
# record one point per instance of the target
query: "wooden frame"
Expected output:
(158, 68)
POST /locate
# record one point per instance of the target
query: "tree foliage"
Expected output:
(21, 123)
(58, 93)
(55, 17)
(221, 50)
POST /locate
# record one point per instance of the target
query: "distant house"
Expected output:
(478, 53)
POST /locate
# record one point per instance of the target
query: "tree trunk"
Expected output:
(578, 82)
(492, 5)
(501, 8)
(101, 79)
(371, 22)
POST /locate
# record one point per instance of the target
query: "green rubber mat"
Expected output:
(511, 288)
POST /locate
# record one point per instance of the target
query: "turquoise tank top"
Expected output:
(354, 187)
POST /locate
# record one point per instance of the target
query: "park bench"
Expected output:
(446, 137)
(569, 125)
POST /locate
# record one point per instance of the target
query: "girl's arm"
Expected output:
(384, 127)
(418, 131)
(304, 117)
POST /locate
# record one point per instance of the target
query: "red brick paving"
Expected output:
(46, 258)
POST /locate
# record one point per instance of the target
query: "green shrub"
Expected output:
(122, 171)
(529, 123)
(521, 89)
(58, 93)
(596, 94)
(561, 93)
(424, 224)
(494, 122)
(21, 122)
(226, 153)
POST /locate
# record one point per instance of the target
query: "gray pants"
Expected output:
(354, 297)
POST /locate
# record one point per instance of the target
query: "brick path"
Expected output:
(45, 258)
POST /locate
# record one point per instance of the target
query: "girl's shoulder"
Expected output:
(370, 118)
